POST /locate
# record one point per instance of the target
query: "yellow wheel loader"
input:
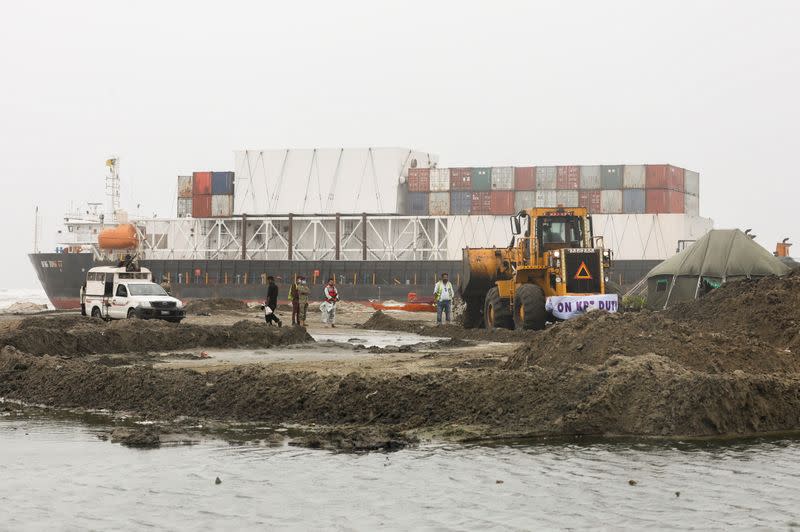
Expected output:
(554, 268)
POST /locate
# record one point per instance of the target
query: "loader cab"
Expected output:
(558, 232)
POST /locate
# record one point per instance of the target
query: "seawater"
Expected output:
(9, 296)
(60, 475)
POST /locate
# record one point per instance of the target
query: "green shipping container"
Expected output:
(482, 179)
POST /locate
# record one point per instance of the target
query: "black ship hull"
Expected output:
(61, 275)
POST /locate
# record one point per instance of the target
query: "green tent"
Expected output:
(720, 255)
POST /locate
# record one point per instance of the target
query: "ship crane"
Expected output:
(112, 187)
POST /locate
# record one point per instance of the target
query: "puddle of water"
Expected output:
(372, 338)
(332, 345)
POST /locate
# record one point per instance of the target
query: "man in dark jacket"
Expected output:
(271, 304)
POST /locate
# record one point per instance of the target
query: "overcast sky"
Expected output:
(174, 86)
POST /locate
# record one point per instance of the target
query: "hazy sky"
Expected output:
(174, 86)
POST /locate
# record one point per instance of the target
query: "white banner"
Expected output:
(566, 307)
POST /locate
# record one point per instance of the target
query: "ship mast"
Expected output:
(112, 187)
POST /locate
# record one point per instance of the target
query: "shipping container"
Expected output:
(691, 182)
(525, 178)
(590, 177)
(201, 204)
(503, 178)
(502, 202)
(481, 203)
(611, 177)
(546, 198)
(691, 204)
(417, 203)
(569, 177)
(461, 179)
(201, 184)
(590, 200)
(524, 200)
(664, 176)
(482, 179)
(633, 201)
(221, 205)
(222, 183)
(634, 176)
(184, 207)
(185, 186)
(460, 202)
(567, 198)
(546, 178)
(439, 203)
(664, 201)
(611, 201)
(440, 179)
(419, 179)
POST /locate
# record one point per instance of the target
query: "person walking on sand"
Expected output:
(271, 304)
(443, 297)
(83, 299)
(302, 296)
(328, 306)
(294, 297)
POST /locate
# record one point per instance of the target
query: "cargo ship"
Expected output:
(385, 222)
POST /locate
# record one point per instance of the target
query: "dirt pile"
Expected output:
(596, 337)
(751, 326)
(202, 306)
(648, 395)
(768, 309)
(381, 321)
(78, 336)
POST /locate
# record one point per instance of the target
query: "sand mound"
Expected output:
(77, 336)
(768, 309)
(381, 321)
(196, 306)
(647, 395)
(746, 325)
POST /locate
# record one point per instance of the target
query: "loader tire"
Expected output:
(497, 312)
(529, 311)
(473, 314)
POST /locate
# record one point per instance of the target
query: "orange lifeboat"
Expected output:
(119, 237)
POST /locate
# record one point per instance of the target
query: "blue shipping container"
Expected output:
(460, 202)
(222, 183)
(633, 201)
(418, 203)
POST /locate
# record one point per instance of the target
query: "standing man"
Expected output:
(329, 305)
(302, 295)
(294, 297)
(271, 304)
(83, 299)
(443, 297)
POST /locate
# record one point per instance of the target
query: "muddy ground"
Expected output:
(74, 335)
(722, 366)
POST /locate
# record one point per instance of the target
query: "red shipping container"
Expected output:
(590, 200)
(663, 201)
(201, 205)
(568, 177)
(664, 176)
(201, 184)
(502, 202)
(461, 179)
(482, 203)
(525, 178)
(419, 179)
